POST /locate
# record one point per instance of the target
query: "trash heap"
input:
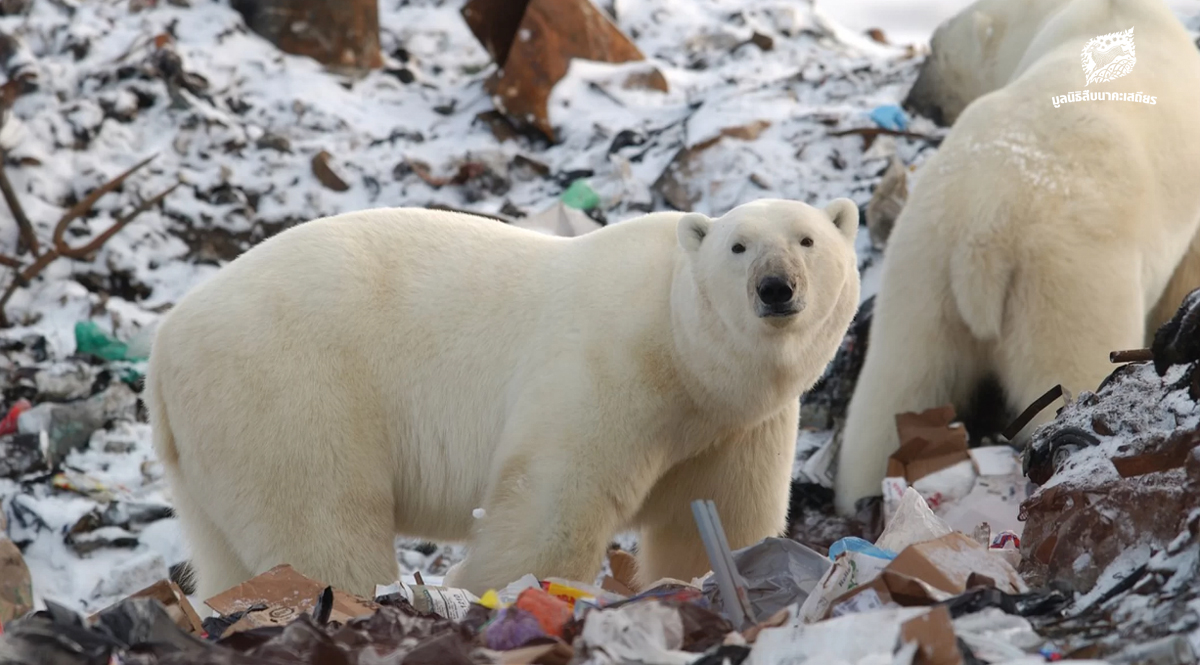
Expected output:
(1103, 562)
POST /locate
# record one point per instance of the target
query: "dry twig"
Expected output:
(22, 274)
(1131, 356)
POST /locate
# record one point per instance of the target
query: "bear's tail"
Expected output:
(161, 435)
(981, 275)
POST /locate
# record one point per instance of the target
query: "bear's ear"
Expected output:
(844, 215)
(692, 229)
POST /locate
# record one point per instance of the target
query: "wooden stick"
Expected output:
(1030, 411)
(872, 132)
(84, 252)
(1131, 356)
(28, 236)
(76, 211)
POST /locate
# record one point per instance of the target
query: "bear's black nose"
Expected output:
(774, 291)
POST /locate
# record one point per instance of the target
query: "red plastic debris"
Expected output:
(9, 424)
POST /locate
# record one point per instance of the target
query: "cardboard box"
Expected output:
(929, 442)
(888, 589)
(287, 594)
(176, 603)
(949, 562)
(934, 634)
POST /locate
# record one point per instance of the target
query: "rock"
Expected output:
(16, 585)
(533, 42)
(339, 33)
(887, 202)
(271, 141)
(324, 172)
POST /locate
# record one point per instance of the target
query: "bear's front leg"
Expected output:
(748, 478)
(552, 514)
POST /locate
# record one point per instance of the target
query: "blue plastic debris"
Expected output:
(890, 116)
(852, 544)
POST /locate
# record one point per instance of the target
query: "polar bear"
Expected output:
(1041, 234)
(387, 372)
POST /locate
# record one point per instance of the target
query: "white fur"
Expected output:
(1037, 239)
(389, 371)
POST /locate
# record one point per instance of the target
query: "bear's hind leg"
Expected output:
(215, 564)
(1062, 327)
(920, 355)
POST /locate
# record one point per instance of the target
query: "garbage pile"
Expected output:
(1110, 571)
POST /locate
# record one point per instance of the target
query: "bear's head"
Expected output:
(973, 53)
(773, 265)
(954, 72)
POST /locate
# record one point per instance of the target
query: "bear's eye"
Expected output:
(739, 248)
(807, 242)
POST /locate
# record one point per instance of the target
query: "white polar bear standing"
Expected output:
(388, 371)
(1044, 230)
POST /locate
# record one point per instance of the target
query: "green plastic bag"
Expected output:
(580, 196)
(91, 340)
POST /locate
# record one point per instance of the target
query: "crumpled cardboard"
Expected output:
(929, 442)
(949, 563)
(929, 572)
(888, 590)
(16, 586)
(174, 601)
(287, 594)
(933, 457)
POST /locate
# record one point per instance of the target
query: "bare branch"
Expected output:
(82, 253)
(79, 209)
(22, 277)
(28, 239)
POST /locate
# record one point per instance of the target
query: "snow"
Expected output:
(1138, 406)
(67, 137)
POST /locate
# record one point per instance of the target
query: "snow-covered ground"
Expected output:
(243, 146)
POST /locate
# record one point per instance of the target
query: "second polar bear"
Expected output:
(1044, 230)
(389, 371)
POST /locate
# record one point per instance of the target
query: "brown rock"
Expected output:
(534, 52)
(340, 33)
(1073, 535)
(324, 173)
(16, 586)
